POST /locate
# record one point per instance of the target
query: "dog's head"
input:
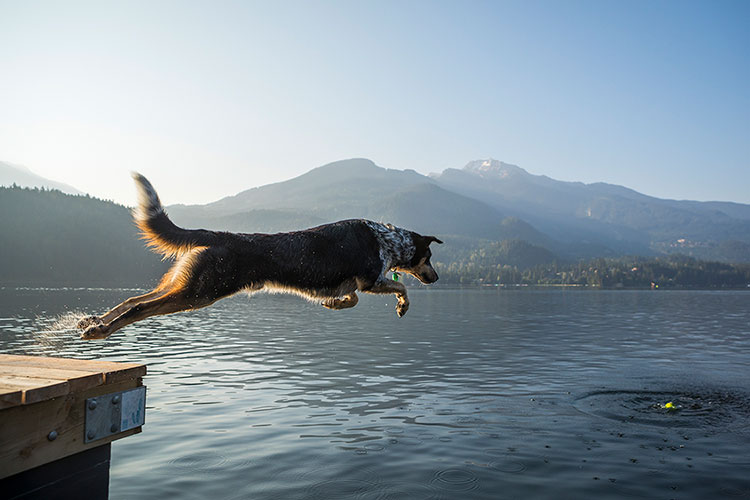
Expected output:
(419, 266)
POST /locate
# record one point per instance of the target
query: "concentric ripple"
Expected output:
(507, 465)
(695, 409)
(341, 488)
(455, 479)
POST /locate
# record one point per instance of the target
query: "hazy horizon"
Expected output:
(131, 202)
(211, 99)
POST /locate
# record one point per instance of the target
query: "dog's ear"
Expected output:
(430, 239)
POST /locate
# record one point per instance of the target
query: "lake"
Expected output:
(474, 394)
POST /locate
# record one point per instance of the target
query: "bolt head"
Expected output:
(116, 400)
(52, 435)
(113, 428)
(90, 435)
(92, 404)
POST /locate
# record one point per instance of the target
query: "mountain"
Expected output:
(21, 176)
(357, 188)
(605, 218)
(486, 201)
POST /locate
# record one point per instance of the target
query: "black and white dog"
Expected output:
(329, 263)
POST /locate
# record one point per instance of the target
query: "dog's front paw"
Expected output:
(87, 321)
(401, 308)
(99, 331)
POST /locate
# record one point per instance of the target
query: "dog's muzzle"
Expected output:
(428, 278)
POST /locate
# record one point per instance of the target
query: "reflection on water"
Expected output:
(473, 394)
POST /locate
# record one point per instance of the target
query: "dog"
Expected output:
(327, 264)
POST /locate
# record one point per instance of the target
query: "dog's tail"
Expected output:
(160, 233)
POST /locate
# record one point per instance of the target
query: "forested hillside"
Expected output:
(52, 238)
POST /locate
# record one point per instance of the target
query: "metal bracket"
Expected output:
(114, 413)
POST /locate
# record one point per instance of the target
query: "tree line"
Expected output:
(672, 271)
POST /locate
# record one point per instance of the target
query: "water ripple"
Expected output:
(705, 409)
(455, 480)
(474, 392)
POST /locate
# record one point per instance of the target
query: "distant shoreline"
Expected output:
(81, 287)
(452, 286)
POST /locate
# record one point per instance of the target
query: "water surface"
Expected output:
(473, 394)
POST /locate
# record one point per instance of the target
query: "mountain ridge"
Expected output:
(572, 219)
(608, 214)
(23, 176)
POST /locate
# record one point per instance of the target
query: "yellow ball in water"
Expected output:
(669, 406)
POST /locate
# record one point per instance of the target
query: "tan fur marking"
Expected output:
(166, 249)
(181, 271)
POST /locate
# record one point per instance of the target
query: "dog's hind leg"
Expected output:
(88, 321)
(196, 281)
(384, 286)
(171, 302)
(347, 301)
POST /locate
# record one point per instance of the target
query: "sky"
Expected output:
(210, 98)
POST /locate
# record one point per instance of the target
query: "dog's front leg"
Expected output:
(385, 286)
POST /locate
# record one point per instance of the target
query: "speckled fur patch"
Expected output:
(396, 244)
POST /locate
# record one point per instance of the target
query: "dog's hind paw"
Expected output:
(331, 303)
(341, 303)
(88, 321)
(99, 331)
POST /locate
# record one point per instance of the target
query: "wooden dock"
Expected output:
(57, 419)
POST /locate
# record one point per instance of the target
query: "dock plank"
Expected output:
(89, 371)
(10, 395)
(68, 363)
(78, 379)
(35, 389)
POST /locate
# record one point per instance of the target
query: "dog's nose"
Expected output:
(431, 278)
